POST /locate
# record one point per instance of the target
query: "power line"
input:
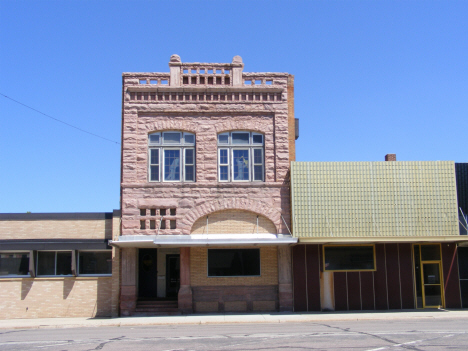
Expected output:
(57, 120)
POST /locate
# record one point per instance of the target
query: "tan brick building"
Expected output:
(205, 192)
(58, 265)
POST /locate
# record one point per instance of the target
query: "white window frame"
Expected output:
(224, 164)
(164, 164)
(55, 264)
(91, 275)
(162, 147)
(249, 153)
(17, 252)
(250, 146)
(257, 164)
(188, 164)
(151, 164)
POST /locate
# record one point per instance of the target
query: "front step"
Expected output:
(157, 308)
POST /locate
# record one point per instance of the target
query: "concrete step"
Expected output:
(150, 314)
(157, 308)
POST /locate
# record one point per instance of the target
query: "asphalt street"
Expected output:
(415, 334)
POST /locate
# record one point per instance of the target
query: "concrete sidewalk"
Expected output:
(229, 318)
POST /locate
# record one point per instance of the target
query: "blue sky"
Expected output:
(371, 78)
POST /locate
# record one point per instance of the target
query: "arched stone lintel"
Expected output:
(230, 126)
(254, 206)
(162, 126)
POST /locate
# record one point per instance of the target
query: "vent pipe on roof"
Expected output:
(390, 157)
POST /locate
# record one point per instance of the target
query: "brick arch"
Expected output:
(233, 222)
(258, 207)
(229, 126)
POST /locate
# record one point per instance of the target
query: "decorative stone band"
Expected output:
(197, 240)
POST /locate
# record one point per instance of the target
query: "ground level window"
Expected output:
(233, 262)
(94, 262)
(349, 258)
(54, 263)
(14, 263)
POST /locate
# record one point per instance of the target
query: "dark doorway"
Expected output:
(148, 273)
(172, 275)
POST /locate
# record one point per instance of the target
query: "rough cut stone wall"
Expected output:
(55, 297)
(206, 119)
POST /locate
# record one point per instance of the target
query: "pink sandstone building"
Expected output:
(205, 195)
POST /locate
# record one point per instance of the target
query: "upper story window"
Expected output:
(241, 157)
(171, 157)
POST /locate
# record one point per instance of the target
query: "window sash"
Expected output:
(159, 157)
(156, 139)
(258, 168)
(101, 258)
(61, 261)
(172, 172)
(234, 263)
(189, 165)
(154, 167)
(223, 167)
(166, 139)
(348, 258)
(239, 166)
(238, 138)
(17, 266)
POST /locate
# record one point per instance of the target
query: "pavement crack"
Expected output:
(102, 344)
(348, 330)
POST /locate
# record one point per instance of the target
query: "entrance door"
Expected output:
(172, 275)
(148, 273)
(428, 273)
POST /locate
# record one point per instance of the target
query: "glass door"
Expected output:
(432, 296)
(428, 276)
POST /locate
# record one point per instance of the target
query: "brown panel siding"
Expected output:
(299, 276)
(393, 276)
(451, 281)
(406, 274)
(313, 278)
(354, 291)
(380, 279)
(341, 291)
(367, 290)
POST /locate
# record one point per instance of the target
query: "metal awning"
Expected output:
(197, 240)
(461, 239)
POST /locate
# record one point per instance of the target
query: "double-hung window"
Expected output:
(171, 157)
(241, 157)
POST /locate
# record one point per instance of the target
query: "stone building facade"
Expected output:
(206, 150)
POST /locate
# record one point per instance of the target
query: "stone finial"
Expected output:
(237, 59)
(175, 58)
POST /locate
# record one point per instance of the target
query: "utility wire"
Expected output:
(57, 120)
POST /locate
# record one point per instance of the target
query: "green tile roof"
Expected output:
(373, 199)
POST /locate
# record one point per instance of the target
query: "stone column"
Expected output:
(174, 68)
(285, 290)
(128, 291)
(237, 68)
(185, 291)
